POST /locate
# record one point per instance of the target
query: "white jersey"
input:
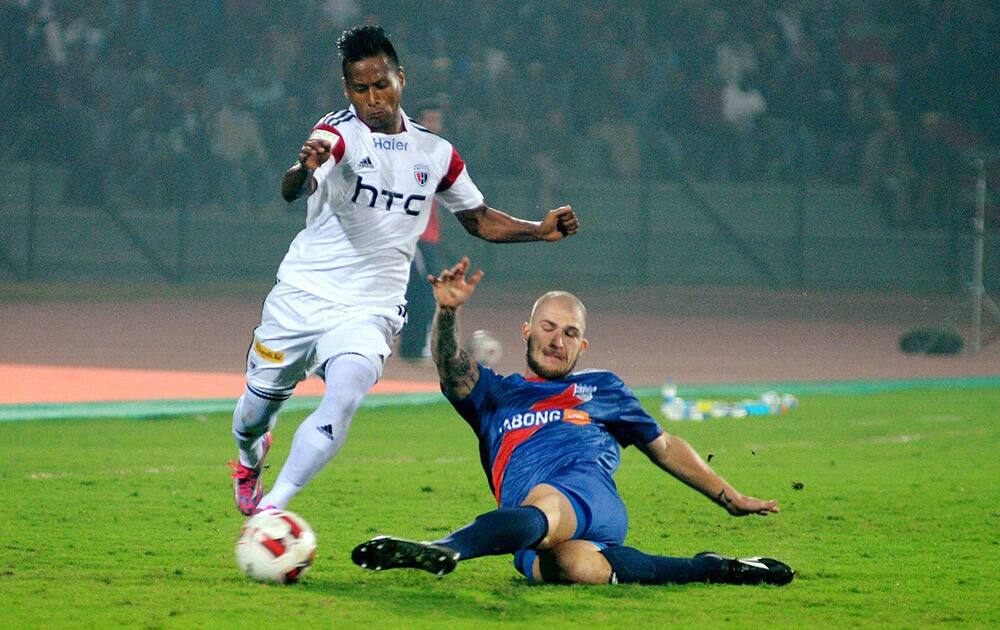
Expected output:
(372, 202)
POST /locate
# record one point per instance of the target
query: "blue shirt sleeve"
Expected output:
(474, 406)
(634, 425)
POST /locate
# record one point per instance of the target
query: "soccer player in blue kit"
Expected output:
(549, 444)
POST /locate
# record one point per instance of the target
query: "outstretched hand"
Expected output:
(742, 505)
(559, 223)
(452, 289)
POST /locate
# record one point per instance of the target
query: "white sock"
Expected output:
(256, 413)
(322, 433)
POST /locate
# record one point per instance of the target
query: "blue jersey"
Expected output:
(529, 428)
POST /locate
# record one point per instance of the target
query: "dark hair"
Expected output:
(362, 42)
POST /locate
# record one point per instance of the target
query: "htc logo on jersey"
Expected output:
(389, 197)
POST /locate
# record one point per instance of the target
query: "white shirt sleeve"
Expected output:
(456, 191)
(337, 141)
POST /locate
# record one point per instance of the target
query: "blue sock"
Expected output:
(630, 566)
(498, 532)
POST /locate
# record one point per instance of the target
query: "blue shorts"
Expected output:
(601, 517)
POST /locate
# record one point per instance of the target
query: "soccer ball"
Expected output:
(275, 546)
(485, 348)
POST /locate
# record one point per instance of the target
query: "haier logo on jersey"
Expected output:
(539, 418)
(387, 198)
(390, 144)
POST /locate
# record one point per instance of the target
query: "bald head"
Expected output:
(554, 335)
(563, 299)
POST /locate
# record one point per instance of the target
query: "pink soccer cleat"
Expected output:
(248, 487)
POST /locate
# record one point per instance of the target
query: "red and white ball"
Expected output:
(485, 348)
(275, 546)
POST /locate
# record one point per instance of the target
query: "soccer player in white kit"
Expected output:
(370, 174)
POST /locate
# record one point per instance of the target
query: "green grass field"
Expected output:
(131, 523)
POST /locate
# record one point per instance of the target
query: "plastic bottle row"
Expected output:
(767, 404)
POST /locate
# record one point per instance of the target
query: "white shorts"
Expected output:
(299, 332)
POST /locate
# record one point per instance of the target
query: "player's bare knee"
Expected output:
(557, 533)
(576, 562)
(558, 511)
(579, 572)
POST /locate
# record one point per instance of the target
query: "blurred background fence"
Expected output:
(642, 233)
(800, 143)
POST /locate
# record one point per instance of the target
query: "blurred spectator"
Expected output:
(938, 164)
(69, 25)
(735, 58)
(289, 121)
(187, 152)
(66, 136)
(610, 119)
(552, 153)
(742, 109)
(724, 90)
(887, 172)
(240, 157)
(144, 137)
(507, 112)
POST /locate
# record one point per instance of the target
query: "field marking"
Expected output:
(385, 394)
(852, 387)
(896, 439)
(758, 448)
(118, 472)
(55, 384)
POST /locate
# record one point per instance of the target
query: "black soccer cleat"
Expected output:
(385, 552)
(755, 570)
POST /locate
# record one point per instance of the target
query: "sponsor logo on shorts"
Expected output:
(539, 418)
(267, 354)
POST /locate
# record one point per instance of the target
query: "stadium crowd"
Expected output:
(198, 101)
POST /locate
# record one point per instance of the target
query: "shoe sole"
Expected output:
(384, 552)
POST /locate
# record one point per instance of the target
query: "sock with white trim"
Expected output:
(256, 413)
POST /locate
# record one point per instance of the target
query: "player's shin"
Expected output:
(321, 435)
(631, 566)
(307, 458)
(498, 532)
(256, 413)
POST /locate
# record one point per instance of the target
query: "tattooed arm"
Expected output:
(676, 456)
(456, 369)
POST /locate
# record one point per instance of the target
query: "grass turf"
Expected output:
(894, 522)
